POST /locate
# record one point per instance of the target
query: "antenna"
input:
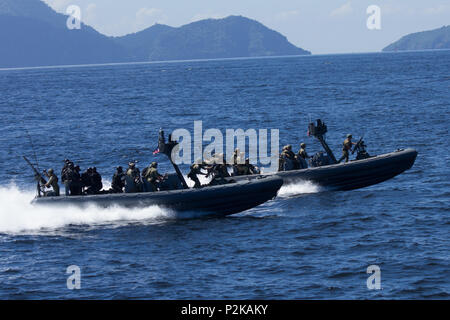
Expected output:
(33, 149)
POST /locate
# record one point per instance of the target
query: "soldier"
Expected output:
(152, 176)
(240, 170)
(65, 176)
(133, 178)
(251, 169)
(118, 181)
(222, 167)
(96, 179)
(86, 181)
(132, 170)
(237, 156)
(288, 158)
(52, 182)
(245, 168)
(302, 152)
(218, 170)
(196, 170)
(302, 155)
(346, 147)
(68, 178)
(76, 185)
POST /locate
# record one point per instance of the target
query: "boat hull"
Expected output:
(213, 200)
(354, 174)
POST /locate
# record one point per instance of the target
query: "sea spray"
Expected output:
(297, 188)
(18, 215)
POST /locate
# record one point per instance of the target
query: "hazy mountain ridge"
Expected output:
(432, 39)
(234, 36)
(33, 34)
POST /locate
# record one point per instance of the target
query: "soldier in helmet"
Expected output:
(53, 183)
(302, 152)
(346, 148)
(288, 158)
(133, 178)
(118, 181)
(196, 170)
(152, 177)
(302, 156)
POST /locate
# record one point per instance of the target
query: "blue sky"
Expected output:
(321, 26)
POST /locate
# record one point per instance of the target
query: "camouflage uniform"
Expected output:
(52, 182)
(151, 176)
(346, 147)
(302, 155)
(133, 179)
(288, 159)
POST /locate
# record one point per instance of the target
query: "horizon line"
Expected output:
(65, 66)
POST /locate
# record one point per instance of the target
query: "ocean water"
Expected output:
(308, 243)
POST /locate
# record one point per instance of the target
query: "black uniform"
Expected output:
(195, 170)
(76, 185)
(118, 181)
(96, 179)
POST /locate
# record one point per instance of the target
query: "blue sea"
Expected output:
(308, 243)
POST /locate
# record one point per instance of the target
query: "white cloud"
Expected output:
(343, 10)
(286, 15)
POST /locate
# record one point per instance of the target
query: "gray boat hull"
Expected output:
(212, 200)
(354, 174)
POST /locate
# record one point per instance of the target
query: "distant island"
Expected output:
(33, 34)
(432, 39)
(234, 36)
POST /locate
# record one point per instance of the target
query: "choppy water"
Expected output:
(305, 244)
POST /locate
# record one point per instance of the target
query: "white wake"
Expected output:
(298, 188)
(18, 215)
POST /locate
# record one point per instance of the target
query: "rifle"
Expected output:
(357, 145)
(37, 175)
